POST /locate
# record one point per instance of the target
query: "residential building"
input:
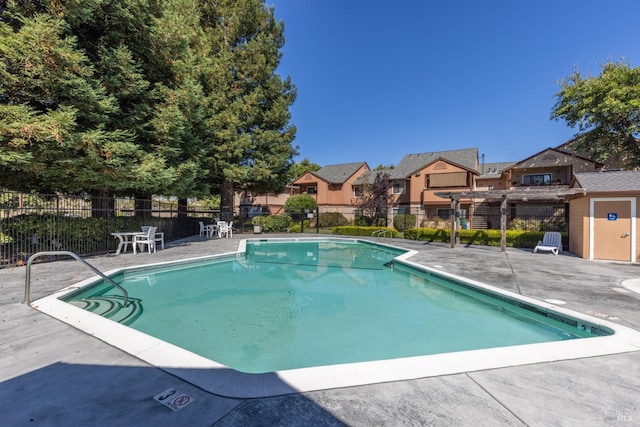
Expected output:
(485, 213)
(333, 187)
(417, 178)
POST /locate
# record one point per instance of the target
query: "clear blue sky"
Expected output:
(377, 80)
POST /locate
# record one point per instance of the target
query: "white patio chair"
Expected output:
(551, 242)
(223, 229)
(159, 236)
(148, 239)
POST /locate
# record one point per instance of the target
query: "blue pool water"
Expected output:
(287, 305)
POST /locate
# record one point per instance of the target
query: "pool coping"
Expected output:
(221, 380)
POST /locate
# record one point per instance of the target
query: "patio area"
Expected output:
(53, 374)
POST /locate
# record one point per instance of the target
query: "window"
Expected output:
(444, 213)
(400, 211)
(540, 179)
(358, 191)
(398, 187)
(312, 190)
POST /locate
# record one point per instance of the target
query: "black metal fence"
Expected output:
(522, 216)
(31, 223)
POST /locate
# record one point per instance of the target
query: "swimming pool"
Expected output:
(421, 282)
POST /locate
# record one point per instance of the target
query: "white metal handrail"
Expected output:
(382, 233)
(27, 285)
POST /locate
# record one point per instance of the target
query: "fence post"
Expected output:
(503, 223)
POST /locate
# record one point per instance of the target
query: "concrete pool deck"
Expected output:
(54, 374)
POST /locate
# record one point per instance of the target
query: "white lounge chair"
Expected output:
(551, 242)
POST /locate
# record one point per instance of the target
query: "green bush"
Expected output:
(532, 224)
(330, 219)
(298, 202)
(362, 221)
(401, 222)
(275, 223)
(515, 238)
(351, 230)
(46, 232)
(295, 228)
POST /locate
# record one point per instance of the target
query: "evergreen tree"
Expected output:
(250, 132)
(300, 168)
(138, 97)
(53, 113)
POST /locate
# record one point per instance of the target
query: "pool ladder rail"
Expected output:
(382, 233)
(27, 285)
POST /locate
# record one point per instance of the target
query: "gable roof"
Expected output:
(608, 181)
(369, 176)
(556, 150)
(338, 174)
(494, 170)
(573, 146)
(466, 158)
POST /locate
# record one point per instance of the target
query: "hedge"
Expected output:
(330, 219)
(353, 230)
(403, 222)
(275, 223)
(515, 238)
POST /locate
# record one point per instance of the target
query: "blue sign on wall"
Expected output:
(612, 216)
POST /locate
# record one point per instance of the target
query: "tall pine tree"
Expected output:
(136, 97)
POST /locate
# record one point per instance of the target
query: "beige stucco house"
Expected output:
(333, 186)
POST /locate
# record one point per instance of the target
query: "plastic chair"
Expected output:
(159, 236)
(223, 229)
(148, 239)
(551, 241)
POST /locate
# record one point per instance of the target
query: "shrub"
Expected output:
(275, 223)
(401, 222)
(330, 219)
(295, 228)
(352, 230)
(300, 201)
(515, 238)
(362, 221)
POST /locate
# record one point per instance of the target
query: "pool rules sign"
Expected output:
(173, 399)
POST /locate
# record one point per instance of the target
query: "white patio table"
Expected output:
(125, 238)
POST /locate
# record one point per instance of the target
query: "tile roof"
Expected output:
(466, 157)
(609, 181)
(337, 174)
